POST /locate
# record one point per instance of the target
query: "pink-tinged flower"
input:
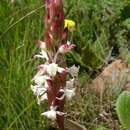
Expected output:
(73, 71)
(66, 47)
(52, 114)
(43, 66)
(42, 45)
(61, 70)
(41, 69)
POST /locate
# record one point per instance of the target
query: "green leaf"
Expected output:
(123, 109)
(126, 23)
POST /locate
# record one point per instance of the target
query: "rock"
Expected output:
(115, 74)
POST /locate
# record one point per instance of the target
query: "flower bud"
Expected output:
(42, 45)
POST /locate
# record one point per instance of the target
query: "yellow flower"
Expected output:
(70, 24)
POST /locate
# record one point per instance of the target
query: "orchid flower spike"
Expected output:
(50, 82)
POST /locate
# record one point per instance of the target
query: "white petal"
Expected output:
(42, 45)
(69, 93)
(38, 90)
(70, 83)
(42, 98)
(50, 114)
(39, 56)
(63, 96)
(68, 42)
(44, 54)
(60, 113)
(62, 50)
(40, 79)
(52, 69)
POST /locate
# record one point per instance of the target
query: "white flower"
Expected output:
(38, 90)
(70, 83)
(73, 71)
(52, 113)
(52, 69)
(43, 55)
(40, 79)
(69, 90)
(41, 98)
(69, 93)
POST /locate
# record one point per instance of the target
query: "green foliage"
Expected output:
(20, 25)
(126, 23)
(100, 24)
(101, 128)
(123, 109)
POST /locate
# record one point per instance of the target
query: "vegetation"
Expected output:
(123, 107)
(102, 32)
